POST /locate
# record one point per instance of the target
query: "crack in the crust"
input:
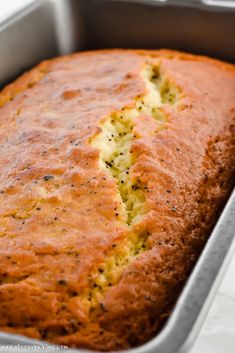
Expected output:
(5, 278)
(115, 142)
(18, 214)
(23, 213)
(116, 159)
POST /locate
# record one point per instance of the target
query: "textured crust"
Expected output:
(59, 225)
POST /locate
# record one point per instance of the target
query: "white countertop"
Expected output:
(218, 332)
(9, 6)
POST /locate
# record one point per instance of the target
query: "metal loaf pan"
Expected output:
(48, 28)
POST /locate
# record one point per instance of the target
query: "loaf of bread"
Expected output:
(114, 167)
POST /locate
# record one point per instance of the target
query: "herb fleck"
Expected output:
(48, 177)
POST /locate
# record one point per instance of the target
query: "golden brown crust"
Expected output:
(58, 208)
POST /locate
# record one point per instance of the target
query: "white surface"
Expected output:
(7, 7)
(218, 332)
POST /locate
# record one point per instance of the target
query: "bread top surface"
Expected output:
(114, 165)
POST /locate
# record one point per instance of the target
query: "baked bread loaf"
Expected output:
(114, 167)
